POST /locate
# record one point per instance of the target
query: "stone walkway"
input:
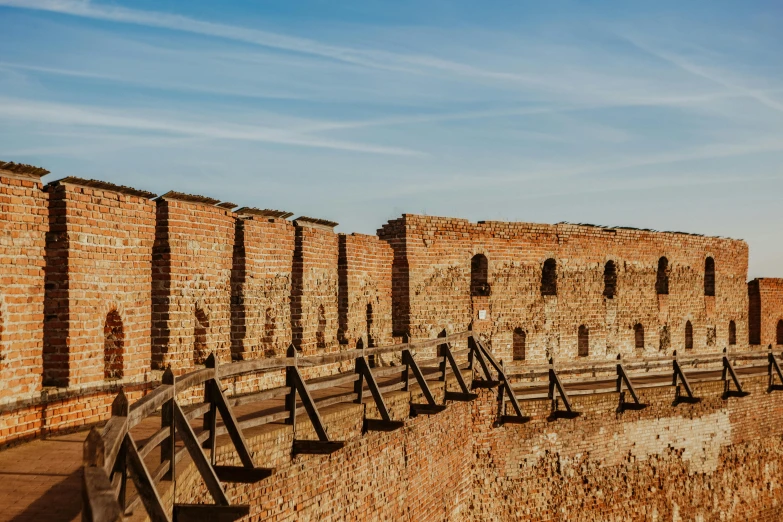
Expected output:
(41, 480)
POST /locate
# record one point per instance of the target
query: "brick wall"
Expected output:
(433, 284)
(721, 459)
(98, 283)
(365, 275)
(314, 288)
(23, 226)
(766, 311)
(191, 292)
(261, 287)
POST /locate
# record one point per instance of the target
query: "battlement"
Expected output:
(107, 285)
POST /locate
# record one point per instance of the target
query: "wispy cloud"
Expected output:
(63, 114)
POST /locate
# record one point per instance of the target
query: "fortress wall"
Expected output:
(98, 294)
(314, 288)
(23, 226)
(365, 274)
(437, 292)
(261, 287)
(766, 312)
(191, 292)
(721, 459)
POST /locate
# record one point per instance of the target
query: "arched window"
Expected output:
(520, 338)
(638, 335)
(780, 332)
(610, 279)
(549, 277)
(479, 273)
(688, 336)
(709, 276)
(201, 325)
(584, 341)
(732, 333)
(113, 346)
(320, 333)
(662, 279)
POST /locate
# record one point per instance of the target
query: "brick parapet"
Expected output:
(99, 255)
(191, 283)
(438, 254)
(766, 311)
(23, 228)
(261, 287)
(365, 277)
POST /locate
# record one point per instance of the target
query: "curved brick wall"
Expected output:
(716, 460)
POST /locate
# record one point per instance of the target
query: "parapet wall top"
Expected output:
(22, 170)
(308, 221)
(267, 212)
(226, 205)
(190, 198)
(103, 185)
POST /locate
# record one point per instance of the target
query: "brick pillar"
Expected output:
(191, 281)
(23, 226)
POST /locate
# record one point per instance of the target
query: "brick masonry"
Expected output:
(766, 312)
(432, 286)
(103, 286)
(191, 277)
(98, 285)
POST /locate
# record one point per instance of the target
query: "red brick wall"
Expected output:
(106, 273)
(191, 292)
(23, 226)
(261, 287)
(436, 254)
(314, 289)
(716, 460)
(365, 274)
(765, 310)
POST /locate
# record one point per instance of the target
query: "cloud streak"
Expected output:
(64, 114)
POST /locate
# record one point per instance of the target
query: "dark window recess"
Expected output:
(200, 327)
(638, 334)
(732, 333)
(113, 346)
(688, 336)
(479, 274)
(709, 276)
(610, 279)
(549, 277)
(520, 338)
(662, 279)
(584, 341)
(780, 332)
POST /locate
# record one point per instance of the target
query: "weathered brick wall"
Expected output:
(23, 227)
(437, 256)
(314, 288)
(365, 274)
(766, 311)
(98, 293)
(721, 459)
(191, 292)
(261, 287)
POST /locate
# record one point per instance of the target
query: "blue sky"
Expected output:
(648, 114)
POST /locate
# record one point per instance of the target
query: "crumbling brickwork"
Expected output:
(766, 311)
(314, 287)
(438, 294)
(365, 274)
(23, 226)
(261, 286)
(191, 292)
(98, 283)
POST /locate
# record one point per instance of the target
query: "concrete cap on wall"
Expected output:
(102, 185)
(266, 212)
(20, 170)
(305, 221)
(190, 198)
